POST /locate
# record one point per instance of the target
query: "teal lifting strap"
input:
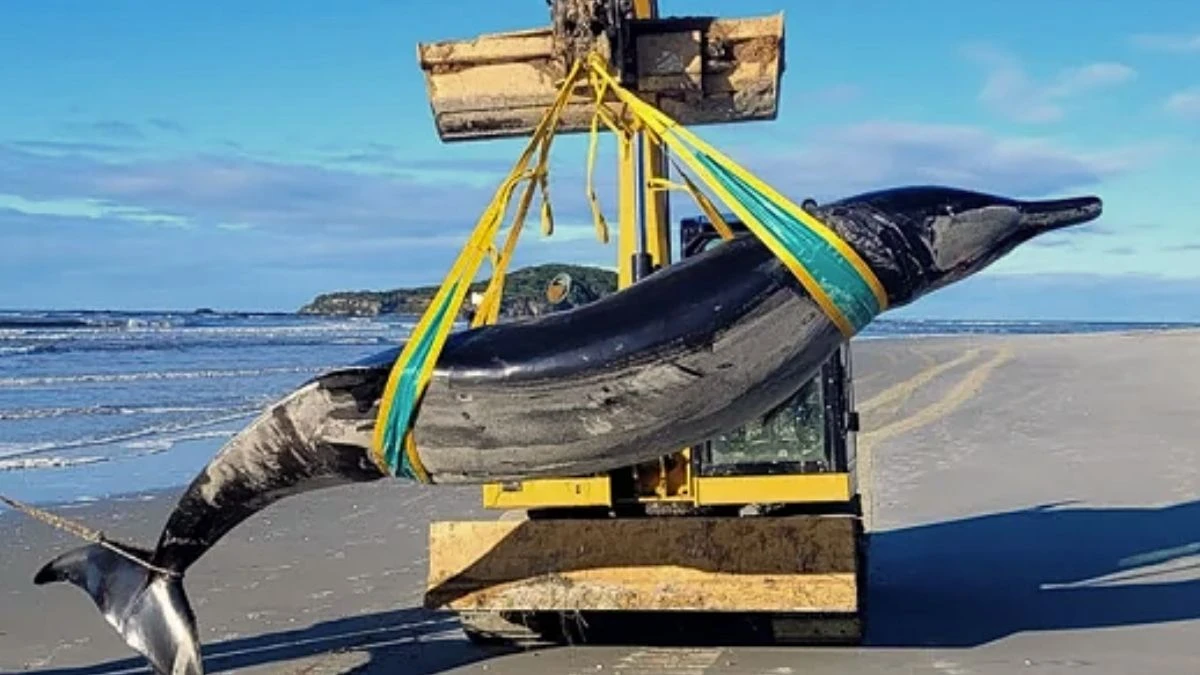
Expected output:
(835, 274)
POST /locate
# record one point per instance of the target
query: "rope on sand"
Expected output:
(82, 531)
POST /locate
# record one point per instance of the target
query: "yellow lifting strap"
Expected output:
(838, 279)
(394, 449)
(833, 273)
(710, 210)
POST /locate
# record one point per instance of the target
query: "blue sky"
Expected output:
(249, 156)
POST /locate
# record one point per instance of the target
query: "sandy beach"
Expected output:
(1033, 502)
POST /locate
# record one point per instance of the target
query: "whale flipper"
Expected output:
(149, 609)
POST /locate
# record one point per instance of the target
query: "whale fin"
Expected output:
(148, 609)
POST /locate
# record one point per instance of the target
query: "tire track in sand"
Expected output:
(896, 394)
(964, 390)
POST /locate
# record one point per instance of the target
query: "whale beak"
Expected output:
(1053, 214)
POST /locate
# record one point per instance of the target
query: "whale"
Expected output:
(694, 349)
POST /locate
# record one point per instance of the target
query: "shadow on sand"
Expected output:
(414, 640)
(962, 583)
(958, 583)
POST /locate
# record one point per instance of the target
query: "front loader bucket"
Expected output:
(803, 577)
(696, 70)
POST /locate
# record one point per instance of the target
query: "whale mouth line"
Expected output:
(1053, 214)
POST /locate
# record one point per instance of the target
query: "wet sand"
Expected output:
(1034, 504)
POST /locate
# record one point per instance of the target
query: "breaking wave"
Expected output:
(47, 462)
(55, 380)
(8, 450)
(51, 413)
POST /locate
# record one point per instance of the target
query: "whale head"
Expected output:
(919, 239)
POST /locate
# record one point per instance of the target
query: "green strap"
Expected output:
(839, 279)
(404, 401)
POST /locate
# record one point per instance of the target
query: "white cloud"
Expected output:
(838, 93)
(301, 229)
(89, 208)
(1184, 103)
(872, 155)
(1012, 92)
(1076, 81)
(1176, 43)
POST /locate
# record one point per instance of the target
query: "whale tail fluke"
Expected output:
(149, 609)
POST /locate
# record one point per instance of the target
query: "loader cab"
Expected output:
(811, 432)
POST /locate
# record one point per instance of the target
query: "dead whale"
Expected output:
(695, 349)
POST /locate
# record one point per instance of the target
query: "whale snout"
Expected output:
(1052, 214)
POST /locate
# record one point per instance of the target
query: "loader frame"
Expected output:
(753, 548)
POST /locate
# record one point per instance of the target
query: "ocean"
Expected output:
(102, 404)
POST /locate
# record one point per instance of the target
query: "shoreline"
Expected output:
(184, 460)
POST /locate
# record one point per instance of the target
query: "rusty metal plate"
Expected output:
(698, 70)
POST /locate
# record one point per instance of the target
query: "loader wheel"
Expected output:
(522, 630)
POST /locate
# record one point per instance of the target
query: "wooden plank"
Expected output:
(759, 564)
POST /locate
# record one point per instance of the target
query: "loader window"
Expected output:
(789, 440)
(805, 436)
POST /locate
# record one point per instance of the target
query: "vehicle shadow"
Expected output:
(962, 583)
(396, 641)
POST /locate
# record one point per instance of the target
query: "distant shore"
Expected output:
(525, 293)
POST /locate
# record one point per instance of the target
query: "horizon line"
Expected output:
(882, 319)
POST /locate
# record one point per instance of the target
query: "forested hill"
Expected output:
(524, 293)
